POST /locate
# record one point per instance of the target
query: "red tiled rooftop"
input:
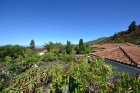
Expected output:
(45, 51)
(122, 52)
(108, 46)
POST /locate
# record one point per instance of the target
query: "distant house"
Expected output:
(44, 51)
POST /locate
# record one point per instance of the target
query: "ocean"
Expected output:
(39, 46)
(36, 46)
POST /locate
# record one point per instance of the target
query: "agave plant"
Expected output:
(75, 77)
(44, 74)
(9, 90)
(40, 90)
(30, 85)
(38, 80)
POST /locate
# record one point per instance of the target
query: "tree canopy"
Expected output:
(32, 44)
(68, 47)
(82, 49)
(11, 50)
(81, 45)
(132, 26)
(50, 46)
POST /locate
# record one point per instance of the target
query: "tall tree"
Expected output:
(81, 49)
(81, 45)
(32, 44)
(68, 47)
(132, 26)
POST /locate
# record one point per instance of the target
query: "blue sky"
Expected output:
(62, 20)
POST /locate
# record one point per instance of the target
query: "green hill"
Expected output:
(132, 35)
(95, 41)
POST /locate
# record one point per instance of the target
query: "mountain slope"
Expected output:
(131, 36)
(95, 41)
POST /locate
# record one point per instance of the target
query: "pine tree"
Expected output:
(68, 47)
(81, 49)
(32, 44)
(132, 26)
(81, 45)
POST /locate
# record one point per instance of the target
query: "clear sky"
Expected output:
(62, 20)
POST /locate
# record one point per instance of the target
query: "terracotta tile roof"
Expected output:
(108, 46)
(122, 52)
(45, 51)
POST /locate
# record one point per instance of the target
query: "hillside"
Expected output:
(132, 35)
(95, 41)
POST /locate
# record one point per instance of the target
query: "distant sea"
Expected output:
(37, 46)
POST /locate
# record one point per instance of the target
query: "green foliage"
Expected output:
(125, 83)
(49, 57)
(8, 59)
(132, 26)
(32, 44)
(54, 50)
(31, 57)
(11, 50)
(80, 77)
(83, 49)
(21, 63)
(88, 50)
(75, 77)
(87, 75)
(68, 47)
(81, 45)
(1, 60)
(66, 57)
(51, 46)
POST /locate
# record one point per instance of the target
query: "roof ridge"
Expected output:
(125, 53)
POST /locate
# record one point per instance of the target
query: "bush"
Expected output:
(49, 57)
(82, 52)
(88, 50)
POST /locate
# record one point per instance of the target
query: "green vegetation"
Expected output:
(11, 50)
(83, 49)
(132, 26)
(32, 44)
(132, 35)
(86, 75)
(68, 47)
(60, 71)
(58, 47)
